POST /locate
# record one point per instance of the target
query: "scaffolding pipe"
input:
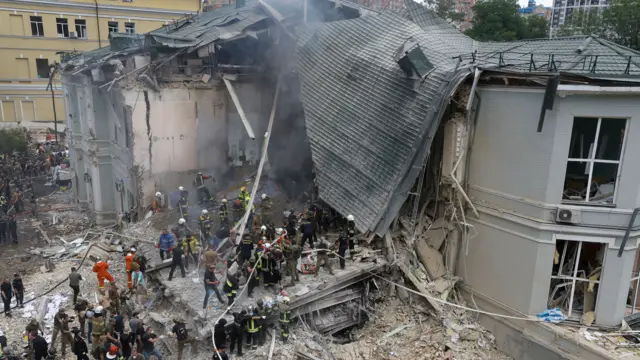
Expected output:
(243, 116)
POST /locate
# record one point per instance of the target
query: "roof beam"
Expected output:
(236, 102)
(590, 89)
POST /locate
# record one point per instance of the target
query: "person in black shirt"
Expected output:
(126, 342)
(13, 228)
(177, 261)
(7, 293)
(182, 335)
(40, 346)
(220, 355)
(211, 285)
(148, 344)
(220, 335)
(80, 348)
(119, 324)
(18, 289)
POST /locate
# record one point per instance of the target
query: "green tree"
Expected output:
(622, 22)
(13, 140)
(537, 27)
(500, 20)
(446, 9)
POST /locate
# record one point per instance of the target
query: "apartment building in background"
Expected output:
(33, 34)
(562, 9)
(465, 7)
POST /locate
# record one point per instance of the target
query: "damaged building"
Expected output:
(508, 165)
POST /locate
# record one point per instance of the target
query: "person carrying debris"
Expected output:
(285, 318)
(176, 261)
(101, 269)
(165, 243)
(230, 288)
(182, 335)
(190, 247)
(18, 290)
(6, 293)
(203, 192)
(323, 257)
(211, 286)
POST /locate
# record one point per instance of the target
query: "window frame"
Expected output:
(61, 25)
(38, 70)
(127, 28)
(591, 161)
(83, 27)
(112, 29)
(33, 22)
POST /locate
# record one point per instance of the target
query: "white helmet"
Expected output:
(267, 245)
(286, 299)
(279, 231)
(158, 193)
(133, 249)
(98, 310)
(350, 217)
(263, 228)
(205, 211)
(181, 221)
(264, 196)
(224, 201)
(180, 188)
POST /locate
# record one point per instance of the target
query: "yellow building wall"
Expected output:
(23, 93)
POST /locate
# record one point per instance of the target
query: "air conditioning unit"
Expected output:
(568, 215)
(73, 35)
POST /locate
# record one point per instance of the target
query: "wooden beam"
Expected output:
(236, 102)
(421, 288)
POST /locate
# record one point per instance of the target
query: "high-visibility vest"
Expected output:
(285, 316)
(251, 326)
(230, 290)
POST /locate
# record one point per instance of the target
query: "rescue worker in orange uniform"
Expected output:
(101, 270)
(128, 260)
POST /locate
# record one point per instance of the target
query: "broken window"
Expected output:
(63, 27)
(575, 277)
(595, 151)
(633, 303)
(81, 28)
(130, 28)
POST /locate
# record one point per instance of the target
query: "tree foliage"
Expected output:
(620, 23)
(446, 9)
(13, 140)
(500, 20)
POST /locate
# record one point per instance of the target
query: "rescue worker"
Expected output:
(101, 269)
(263, 313)
(156, 206)
(342, 248)
(246, 248)
(99, 328)
(238, 211)
(323, 257)
(252, 328)
(237, 330)
(165, 244)
(177, 262)
(262, 232)
(80, 349)
(230, 288)
(292, 253)
(306, 228)
(222, 211)
(182, 229)
(205, 223)
(183, 202)
(285, 318)
(127, 261)
(220, 334)
(254, 280)
(203, 192)
(190, 247)
(244, 197)
(351, 233)
(266, 265)
(114, 297)
(265, 209)
(81, 308)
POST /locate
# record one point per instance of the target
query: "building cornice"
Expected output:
(87, 15)
(76, 5)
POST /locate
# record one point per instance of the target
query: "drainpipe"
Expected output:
(626, 234)
(98, 25)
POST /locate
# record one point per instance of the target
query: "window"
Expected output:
(63, 27)
(130, 28)
(595, 151)
(37, 27)
(113, 27)
(575, 277)
(81, 28)
(43, 68)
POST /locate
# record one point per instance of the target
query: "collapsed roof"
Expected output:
(374, 86)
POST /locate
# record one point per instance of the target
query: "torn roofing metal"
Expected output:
(222, 24)
(370, 128)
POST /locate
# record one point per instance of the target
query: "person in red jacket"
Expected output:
(101, 270)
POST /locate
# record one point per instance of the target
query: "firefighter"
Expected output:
(254, 280)
(237, 330)
(252, 328)
(323, 257)
(306, 228)
(190, 247)
(203, 192)
(183, 202)
(205, 223)
(238, 211)
(265, 209)
(343, 244)
(157, 202)
(244, 197)
(285, 318)
(230, 288)
(351, 233)
(222, 212)
(246, 248)
(292, 253)
(265, 266)
(101, 269)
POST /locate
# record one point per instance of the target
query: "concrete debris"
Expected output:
(431, 258)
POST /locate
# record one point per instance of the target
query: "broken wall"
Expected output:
(177, 132)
